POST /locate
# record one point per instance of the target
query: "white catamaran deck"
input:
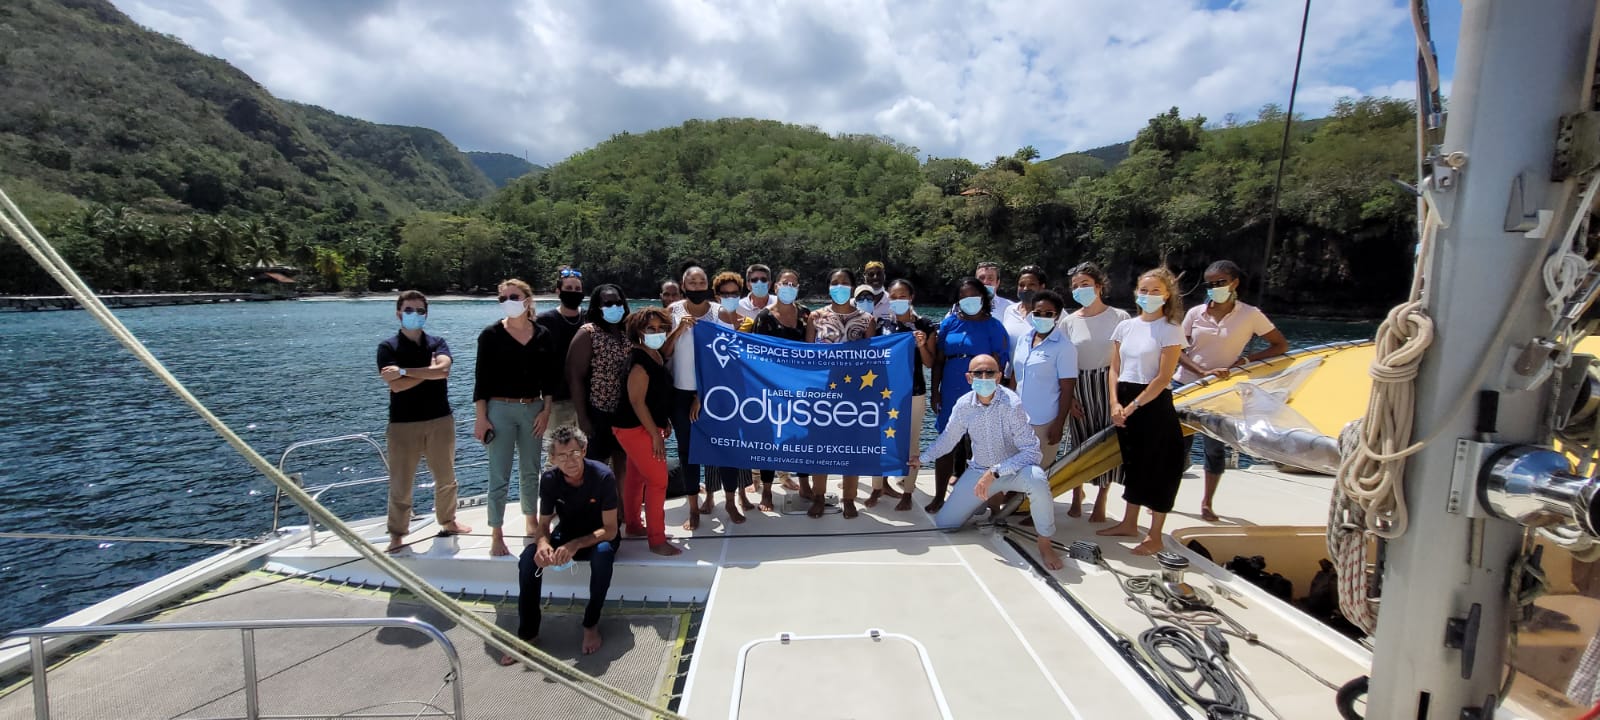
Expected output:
(997, 638)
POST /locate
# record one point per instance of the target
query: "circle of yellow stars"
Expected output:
(867, 381)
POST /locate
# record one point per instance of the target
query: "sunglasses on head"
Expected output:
(569, 272)
(983, 373)
(511, 296)
(415, 311)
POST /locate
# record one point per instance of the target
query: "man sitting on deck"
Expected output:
(584, 494)
(1005, 455)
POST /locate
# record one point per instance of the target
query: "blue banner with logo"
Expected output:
(772, 404)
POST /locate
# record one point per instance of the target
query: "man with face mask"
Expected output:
(1005, 456)
(758, 278)
(989, 274)
(563, 322)
(416, 367)
(872, 276)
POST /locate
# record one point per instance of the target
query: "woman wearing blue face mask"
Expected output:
(903, 318)
(1090, 330)
(969, 331)
(1044, 371)
(729, 287)
(513, 382)
(641, 425)
(1144, 354)
(841, 321)
(596, 364)
(789, 320)
(1218, 332)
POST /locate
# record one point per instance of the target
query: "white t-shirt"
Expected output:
(1216, 343)
(1142, 342)
(682, 360)
(747, 306)
(1092, 336)
(1018, 326)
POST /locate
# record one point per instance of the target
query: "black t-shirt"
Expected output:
(509, 369)
(579, 510)
(561, 330)
(657, 396)
(430, 399)
(891, 326)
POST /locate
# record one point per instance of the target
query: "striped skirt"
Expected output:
(1094, 397)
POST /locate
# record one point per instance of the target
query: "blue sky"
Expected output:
(969, 78)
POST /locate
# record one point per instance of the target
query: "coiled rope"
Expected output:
(16, 225)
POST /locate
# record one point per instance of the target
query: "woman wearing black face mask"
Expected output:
(563, 322)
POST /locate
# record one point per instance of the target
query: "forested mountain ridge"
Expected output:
(100, 115)
(502, 168)
(156, 168)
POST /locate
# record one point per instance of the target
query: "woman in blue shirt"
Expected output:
(970, 330)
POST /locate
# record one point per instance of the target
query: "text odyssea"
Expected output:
(781, 408)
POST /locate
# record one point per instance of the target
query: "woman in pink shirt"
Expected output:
(1218, 332)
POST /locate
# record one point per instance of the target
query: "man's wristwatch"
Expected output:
(402, 372)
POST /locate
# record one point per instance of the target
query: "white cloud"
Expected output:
(953, 77)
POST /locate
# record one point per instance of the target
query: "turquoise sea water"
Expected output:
(91, 443)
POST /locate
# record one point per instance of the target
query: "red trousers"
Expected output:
(644, 483)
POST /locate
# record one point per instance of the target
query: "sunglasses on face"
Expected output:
(569, 272)
(758, 278)
(511, 296)
(1044, 313)
(1217, 283)
(415, 311)
(568, 455)
(983, 373)
(610, 303)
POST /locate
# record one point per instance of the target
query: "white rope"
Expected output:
(17, 226)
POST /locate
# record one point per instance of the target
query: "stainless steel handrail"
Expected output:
(277, 498)
(41, 692)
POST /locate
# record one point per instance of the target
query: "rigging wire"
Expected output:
(16, 225)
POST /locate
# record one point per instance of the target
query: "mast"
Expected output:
(1521, 67)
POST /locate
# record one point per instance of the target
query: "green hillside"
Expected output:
(143, 150)
(502, 168)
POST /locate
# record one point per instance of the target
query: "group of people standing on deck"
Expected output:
(606, 384)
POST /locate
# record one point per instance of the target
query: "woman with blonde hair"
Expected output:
(1144, 354)
(513, 383)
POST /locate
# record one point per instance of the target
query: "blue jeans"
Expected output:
(964, 502)
(530, 583)
(513, 431)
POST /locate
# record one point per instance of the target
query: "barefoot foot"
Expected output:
(497, 548)
(890, 492)
(733, 512)
(693, 523)
(1207, 514)
(933, 507)
(666, 550)
(872, 498)
(1120, 529)
(591, 640)
(850, 509)
(707, 506)
(904, 504)
(817, 506)
(1097, 517)
(1150, 546)
(1076, 510)
(396, 544)
(1048, 555)
(456, 528)
(745, 504)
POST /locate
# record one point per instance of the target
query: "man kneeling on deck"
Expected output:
(583, 493)
(1005, 455)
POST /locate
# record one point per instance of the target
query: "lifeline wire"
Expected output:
(15, 224)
